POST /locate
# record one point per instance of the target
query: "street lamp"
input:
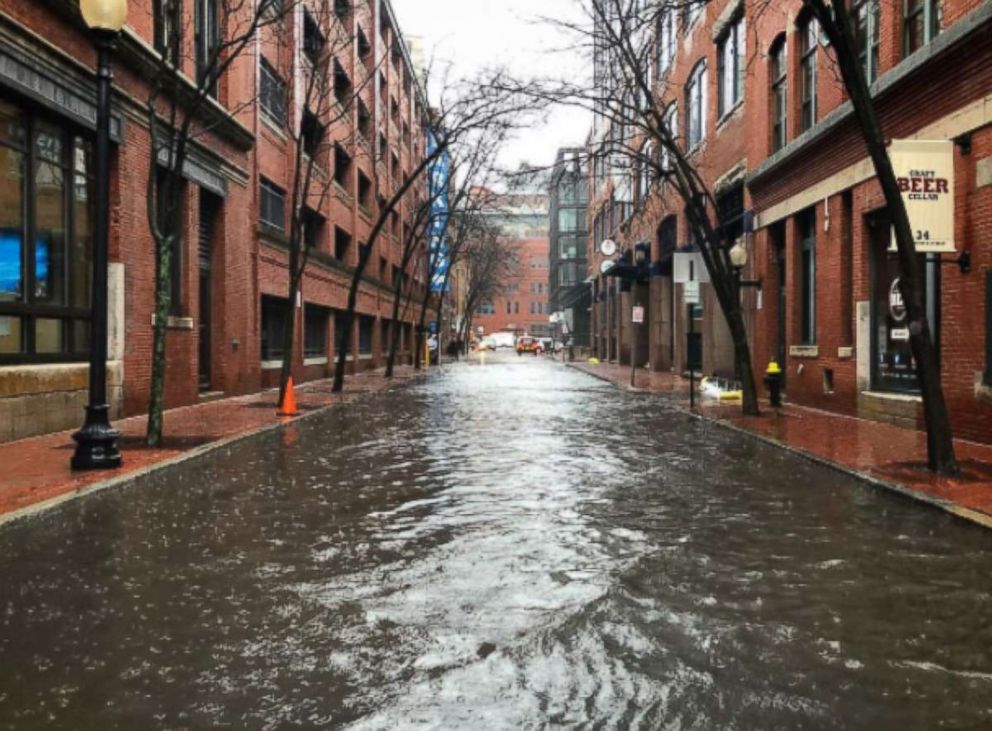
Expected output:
(738, 260)
(96, 442)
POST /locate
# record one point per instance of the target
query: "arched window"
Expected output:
(779, 92)
(666, 39)
(672, 125)
(730, 71)
(695, 106)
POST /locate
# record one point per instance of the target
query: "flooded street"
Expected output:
(501, 546)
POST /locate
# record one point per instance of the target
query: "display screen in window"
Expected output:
(10, 266)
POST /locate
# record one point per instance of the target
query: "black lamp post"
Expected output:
(96, 442)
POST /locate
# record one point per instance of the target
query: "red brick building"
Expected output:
(231, 267)
(787, 151)
(522, 308)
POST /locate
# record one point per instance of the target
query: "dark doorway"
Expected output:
(893, 366)
(782, 301)
(209, 208)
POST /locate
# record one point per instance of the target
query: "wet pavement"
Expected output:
(509, 545)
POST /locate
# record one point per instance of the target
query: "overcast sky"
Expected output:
(473, 34)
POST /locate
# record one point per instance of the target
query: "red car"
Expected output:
(529, 345)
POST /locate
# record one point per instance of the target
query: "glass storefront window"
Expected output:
(893, 365)
(46, 238)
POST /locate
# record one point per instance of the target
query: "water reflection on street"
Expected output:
(514, 545)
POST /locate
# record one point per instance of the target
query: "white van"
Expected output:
(504, 340)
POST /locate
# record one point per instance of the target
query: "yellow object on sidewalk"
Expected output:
(731, 396)
(593, 361)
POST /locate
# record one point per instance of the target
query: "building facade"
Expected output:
(522, 306)
(230, 269)
(774, 138)
(569, 292)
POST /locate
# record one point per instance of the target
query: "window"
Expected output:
(807, 277)
(313, 39)
(312, 132)
(364, 49)
(730, 58)
(672, 125)
(568, 219)
(808, 39)
(272, 93)
(730, 208)
(207, 44)
(365, 327)
(695, 102)
(342, 167)
(921, 23)
(315, 324)
(666, 39)
(342, 8)
(867, 15)
(486, 308)
(364, 192)
(342, 243)
(693, 9)
(165, 29)
(342, 84)
(364, 120)
(46, 239)
(509, 307)
(273, 327)
(313, 228)
(646, 171)
(780, 109)
(272, 201)
(516, 308)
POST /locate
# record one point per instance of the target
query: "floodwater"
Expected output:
(506, 546)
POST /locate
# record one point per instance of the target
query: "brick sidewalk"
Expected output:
(884, 454)
(36, 474)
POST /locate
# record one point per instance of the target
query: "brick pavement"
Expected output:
(34, 472)
(881, 453)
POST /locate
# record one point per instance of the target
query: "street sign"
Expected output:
(690, 293)
(689, 267)
(637, 317)
(432, 327)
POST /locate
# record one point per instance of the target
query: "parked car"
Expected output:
(503, 339)
(529, 345)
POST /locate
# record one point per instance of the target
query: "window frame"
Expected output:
(867, 43)
(266, 186)
(933, 15)
(273, 107)
(696, 97)
(733, 38)
(207, 38)
(666, 39)
(29, 308)
(310, 312)
(779, 93)
(809, 41)
(988, 328)
(272, 306)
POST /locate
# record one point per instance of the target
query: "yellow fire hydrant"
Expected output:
(773, 380)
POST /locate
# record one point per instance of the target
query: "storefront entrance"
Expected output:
(893, 365)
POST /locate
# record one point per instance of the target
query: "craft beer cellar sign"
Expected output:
(925, 172)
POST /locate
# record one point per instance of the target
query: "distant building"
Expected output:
(522, 307)
(568, 292)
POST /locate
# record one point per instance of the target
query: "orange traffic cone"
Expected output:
(288, 405)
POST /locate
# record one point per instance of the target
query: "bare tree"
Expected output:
(196, 55)
(626, 96)
(838, 24)
(488, 263)
(463, 110)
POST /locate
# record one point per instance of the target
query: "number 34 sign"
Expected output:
(925, 172)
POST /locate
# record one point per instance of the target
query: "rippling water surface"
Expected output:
(505, 546)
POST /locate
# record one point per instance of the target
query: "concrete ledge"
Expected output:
(845, 353)
(804, 351)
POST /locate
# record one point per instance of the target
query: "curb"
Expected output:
(958, 511)
(50, 505)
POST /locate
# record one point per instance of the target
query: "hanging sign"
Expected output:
(925, 172)
(637, 317)
(690, 267)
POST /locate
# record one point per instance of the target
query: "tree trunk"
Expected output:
(160, 330)
(394, 334)
(940, 440)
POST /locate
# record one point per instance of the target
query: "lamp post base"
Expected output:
(96, 442)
